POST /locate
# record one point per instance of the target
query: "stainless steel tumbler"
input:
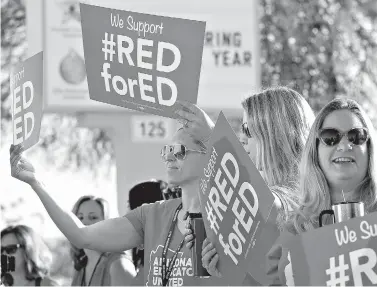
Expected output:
(197, 225)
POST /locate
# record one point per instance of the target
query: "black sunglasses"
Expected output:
(331, 136)
(10, 249)
(179, 151)
(245, 130)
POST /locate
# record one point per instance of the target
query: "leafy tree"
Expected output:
(323, 49)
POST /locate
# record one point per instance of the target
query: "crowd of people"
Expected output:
(309, 163)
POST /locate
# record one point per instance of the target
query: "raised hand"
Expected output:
(195, 120)
(21, 168)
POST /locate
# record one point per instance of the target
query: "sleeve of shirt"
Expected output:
(138, 217)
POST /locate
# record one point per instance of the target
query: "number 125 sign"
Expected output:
(150, 128)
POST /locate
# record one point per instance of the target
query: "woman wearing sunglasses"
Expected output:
(157, 227)
(276, 123)
(339, 158)
(28, 255)
(93, 268)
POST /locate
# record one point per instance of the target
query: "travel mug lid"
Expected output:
(348, 202)
(195, 215)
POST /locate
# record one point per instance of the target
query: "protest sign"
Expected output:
(235, 202)
(342, 254)
(26, 88)
(139, 61)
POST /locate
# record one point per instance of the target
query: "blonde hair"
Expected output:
(38, 257)
(315, 193)
(279, 119)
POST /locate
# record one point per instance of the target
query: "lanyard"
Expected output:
(83, 280)
(167, 271)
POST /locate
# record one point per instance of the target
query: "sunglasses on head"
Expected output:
(331, 136)
(10, 249)
(179, 151)
(245, 130)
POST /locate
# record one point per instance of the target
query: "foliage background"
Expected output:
(323, 49)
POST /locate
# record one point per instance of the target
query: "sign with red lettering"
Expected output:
(342, 254)
(139, 61)
(26, 88)
(235, 202)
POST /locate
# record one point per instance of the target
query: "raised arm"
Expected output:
(106, 236)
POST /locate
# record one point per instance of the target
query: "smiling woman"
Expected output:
(167, 260)
(157, 227)
(343, 154)
(338, 164)
(339, 156)
(180, 167)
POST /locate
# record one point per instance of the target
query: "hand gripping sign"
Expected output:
(342, 254)
(26, 87)
(235, 203)
(139, 61)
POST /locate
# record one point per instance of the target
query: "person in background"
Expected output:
(93, 268)
(339, 158)
(157, 227)
(143, 193)
(171, 191)
(276, 124)
(32, 258)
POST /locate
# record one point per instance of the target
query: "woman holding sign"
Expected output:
(338, 164)
(157, 227)
(276, 123)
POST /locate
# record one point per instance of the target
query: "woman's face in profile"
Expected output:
(184, 170)
(10, 247)
(90, 212)
(345, 164)
(249, 143)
